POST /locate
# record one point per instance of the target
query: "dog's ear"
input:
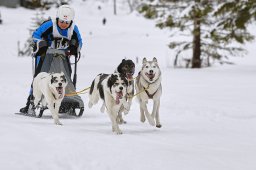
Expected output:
(144, 60)
(119, 68)
(155, 60)
(52, 79)
(62, 73)
(111, 81)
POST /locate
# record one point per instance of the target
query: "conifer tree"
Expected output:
(36, 21)
(214, 25)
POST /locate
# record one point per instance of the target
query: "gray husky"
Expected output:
(148, 86)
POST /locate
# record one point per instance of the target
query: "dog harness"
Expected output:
(150, 96)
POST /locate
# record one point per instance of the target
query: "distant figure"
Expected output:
(104, 21)
(99, 7)
(137, 60)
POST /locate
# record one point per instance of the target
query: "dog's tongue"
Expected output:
(129, 76)
(151, 76)
(59, 90)
(119, 95)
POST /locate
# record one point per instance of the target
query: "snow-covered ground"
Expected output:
(208, 115)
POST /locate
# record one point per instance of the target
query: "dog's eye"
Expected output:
(116, 84)
(146, 66)
(123, 84)
(154, 66)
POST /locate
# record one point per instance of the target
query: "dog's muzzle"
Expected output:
(59, 90)
(129, 76)
(150, 76)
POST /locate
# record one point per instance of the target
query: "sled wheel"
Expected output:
(41, 113)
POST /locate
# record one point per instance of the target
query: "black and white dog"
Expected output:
(112, 89)
(127, 69)
(49, 90)
(148, 85)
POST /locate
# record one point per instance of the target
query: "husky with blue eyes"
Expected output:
(49, 91)
(148, 86)
(112, 89)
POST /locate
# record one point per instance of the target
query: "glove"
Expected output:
(73, 50)
(73, 47)
(42, 48)
(42, 51)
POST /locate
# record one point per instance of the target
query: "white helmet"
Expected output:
(66, 13)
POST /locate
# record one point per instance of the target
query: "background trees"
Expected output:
(215, 27)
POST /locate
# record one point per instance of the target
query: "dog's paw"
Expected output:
(158, 125)
(119, 132)
(142, 119)
(58, 123)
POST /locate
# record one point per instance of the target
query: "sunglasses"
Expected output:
(66, 22)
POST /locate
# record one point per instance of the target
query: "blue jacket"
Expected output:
(46, 32)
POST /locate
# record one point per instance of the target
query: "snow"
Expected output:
(208, 115)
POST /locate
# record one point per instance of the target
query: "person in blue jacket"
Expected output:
(58, 33)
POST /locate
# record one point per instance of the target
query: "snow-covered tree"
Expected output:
(214, 25)
(36, 21)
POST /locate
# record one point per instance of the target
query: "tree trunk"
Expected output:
(196, 60)
(130, 5)
(114, 7)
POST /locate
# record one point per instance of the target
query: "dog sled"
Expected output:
(55, 61)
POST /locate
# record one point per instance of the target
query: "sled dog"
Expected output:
(112, 89)
(148, 85)
(49, 89)
(127, 69)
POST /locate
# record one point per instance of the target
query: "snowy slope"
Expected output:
(208, 115)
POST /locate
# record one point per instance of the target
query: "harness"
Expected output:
(150, 96)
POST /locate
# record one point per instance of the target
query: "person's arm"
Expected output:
(77, 37)
(43, 31)
(40, 37)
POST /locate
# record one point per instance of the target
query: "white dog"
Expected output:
(112, 89)
(49, 89)
(148, 85)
